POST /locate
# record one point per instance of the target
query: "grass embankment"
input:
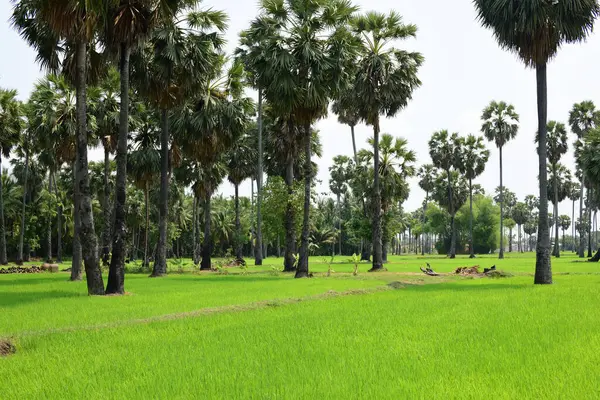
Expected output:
(248, 336)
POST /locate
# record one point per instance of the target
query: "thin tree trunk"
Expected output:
(563, 240)
(22, 233)
(116, 273)
(354, 144)
(106, 212)
(424, 219)
(147, 227)
(58, 224)
(194, 230)
(339, 222)
(573, 226)
(520, 240)
(589, 214)
(302, 270)
(501, 252)
(3, 257)
(543, 267)
(452, 217)
(258, 256)
(472, 251)
(206, 264)
(238, 226)
(290, 234)
(278, 247)
(49, 235)
(581, 234)
(556, 250)
(377, 229)
(160, 263)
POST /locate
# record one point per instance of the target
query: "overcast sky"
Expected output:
(464, 70)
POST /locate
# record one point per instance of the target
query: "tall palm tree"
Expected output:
(583, 118)
(473, 156)
(427, 174)
(444, 149)
(385, 80)
(521, 216)
(574, 195)
(458, 186)
(11, 126)
(564, 223)
(310, 50)
(556, 147)
(551, 23)
(339, 173)
(346, 108)
(587, 156)
(181, 55)
(500, 125)
(241, 165)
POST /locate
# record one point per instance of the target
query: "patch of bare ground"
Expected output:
(7, 348)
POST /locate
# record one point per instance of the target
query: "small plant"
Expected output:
(328, 262)
(274, 271)
(244, 269)
(355, 260)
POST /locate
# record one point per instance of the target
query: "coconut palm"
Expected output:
(556, 147)
(472, 158)
(385, 80)
(181, 55)
(241, 165)
(535, 30)
(444, 149)
(11, 126)
(583, 118)
(500, 125)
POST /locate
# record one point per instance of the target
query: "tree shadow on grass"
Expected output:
(27, 279)
(459, 287)
(14, 299)
(227, 278)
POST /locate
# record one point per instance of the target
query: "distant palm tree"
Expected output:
(583, 118)
(241, 165)
(385, 80)
(521, 216)
(11, 126)
(535, 30)
(473, 156)
(556, 147)
(574, 195)
(346, 108)
(564, 223)
(458, 186)
(339, 173)
(587, 157)
(500, 125)
(427, 174)
(444, 149)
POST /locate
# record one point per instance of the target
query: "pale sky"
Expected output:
(464, 70)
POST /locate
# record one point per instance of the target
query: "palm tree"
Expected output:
(473, 156)
(345, 107)
(520, 215)
(504, 196)
(564, 223)
(10, 131)
(241, 165)
(427, 174)
(500, 125)
(457, 185)
(574, 195)
(583, 118)
(339, 173)
(556, 147)
(385, 80)
(587, 156)
(535, 30)
(181, 55)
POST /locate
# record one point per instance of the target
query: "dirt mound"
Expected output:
(7, 348)
(21, 270)
(474, 270)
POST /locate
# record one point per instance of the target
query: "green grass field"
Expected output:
(257, 334)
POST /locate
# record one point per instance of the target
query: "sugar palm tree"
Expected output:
(11, 125)
(588, 157)
(472, 158)
(241, 165)
(444, 149)
(427, 174)
(339, 174)
(564, 223)
(500, 125)
(385, 80)
(458, 186)
(521, 216)
(583, 118)
(181, 55)
(556, 147)
(345, 107)
(535, 30)
(574, 195)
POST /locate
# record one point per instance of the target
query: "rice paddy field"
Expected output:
(257, 333)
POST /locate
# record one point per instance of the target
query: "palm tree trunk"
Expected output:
(116, 273)
(339, 204)
(58, 224)
(472, 251)
(194, 229)
(520, 247)
(563, 240)
(543, 267)
(573, 226)
(452, 217)
(424, 220)
(556, 249)
(290, 234)
(106, 211)
(354, 144)
(278, 247)
(302, 270)
(589, 214)
(206, 264)
(147, 227)
(22, 233)
(581, 234)
(501, 252)
(3, 257)
(258, 255)
(238, 226)
(377, 230)
(160, 263)
(49, 235)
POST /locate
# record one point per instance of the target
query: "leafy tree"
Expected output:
(473, 156)
(385, 80)
(552, 24)
(11, 126)
(444, 149)
(500, 125)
